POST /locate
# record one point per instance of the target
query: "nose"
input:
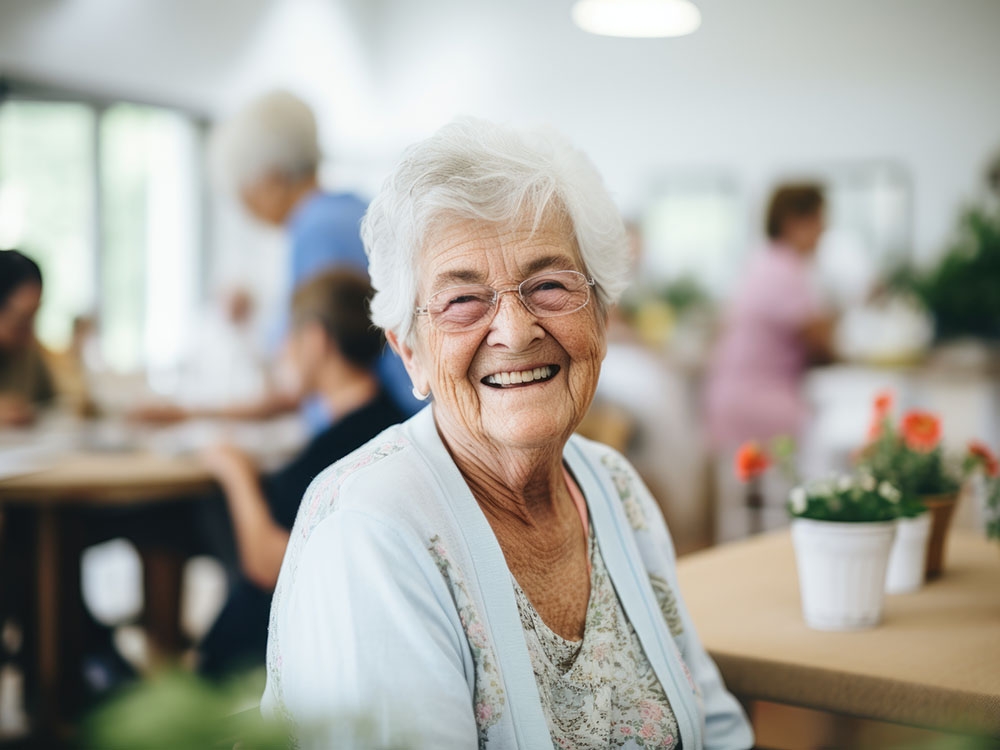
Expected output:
(513, 327)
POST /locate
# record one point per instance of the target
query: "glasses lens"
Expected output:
(460, 307)
(555, 293)
(546, 295)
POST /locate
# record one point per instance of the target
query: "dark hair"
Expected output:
(16, 270)
(792, 201)
(338, 301)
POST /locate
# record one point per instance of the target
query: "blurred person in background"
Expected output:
(775, 328)
(269, 154)
(25, 381)
(333, 348)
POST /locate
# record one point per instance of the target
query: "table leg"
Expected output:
(47, 551)
(59, 620)
(163, 572)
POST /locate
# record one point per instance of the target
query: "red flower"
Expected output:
(921, 431)
(880, 412)
(751, 461)
(883, 405)
(983, 455)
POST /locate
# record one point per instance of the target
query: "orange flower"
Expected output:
(982, 454)
(751, 461)
(883, 405)
(921, 431)
(880, 412)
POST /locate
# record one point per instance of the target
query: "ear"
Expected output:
(410, 361)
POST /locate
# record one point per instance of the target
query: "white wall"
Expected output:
(763, 88)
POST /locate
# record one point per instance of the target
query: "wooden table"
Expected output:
(933, 662)
(49, 503)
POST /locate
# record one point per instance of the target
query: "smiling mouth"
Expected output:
(518, 378)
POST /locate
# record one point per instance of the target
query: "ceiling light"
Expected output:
(637, 18)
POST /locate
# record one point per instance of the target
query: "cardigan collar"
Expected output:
(493, 577)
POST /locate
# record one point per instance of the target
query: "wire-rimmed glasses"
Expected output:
(546, 295)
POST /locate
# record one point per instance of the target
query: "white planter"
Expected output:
(908, 558)
(842, 570)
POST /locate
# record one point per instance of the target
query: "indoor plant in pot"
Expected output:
(843, 530)
(909, 456)
(982, 465)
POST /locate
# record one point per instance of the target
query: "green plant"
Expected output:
(846, 499)
(907, 455)
(684, 294)
(981, 461)
(176, 709)
(963, 290)
(860, 498)
(180, 710)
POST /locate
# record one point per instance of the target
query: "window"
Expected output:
(693, 229)
(107, 197)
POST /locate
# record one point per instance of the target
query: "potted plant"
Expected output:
(842, 531)
(909, 456)
(981, 465)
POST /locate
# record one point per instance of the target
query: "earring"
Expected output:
(420, 396)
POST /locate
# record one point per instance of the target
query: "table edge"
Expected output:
(898, 701)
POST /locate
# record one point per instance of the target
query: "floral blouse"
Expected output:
(600, 692)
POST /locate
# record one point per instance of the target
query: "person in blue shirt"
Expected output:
(271, 151)
(269, 155)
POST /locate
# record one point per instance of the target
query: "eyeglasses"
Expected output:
(547, 295)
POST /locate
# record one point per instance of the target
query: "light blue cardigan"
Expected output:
(395, 602)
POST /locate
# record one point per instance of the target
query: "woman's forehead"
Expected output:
(476, 252)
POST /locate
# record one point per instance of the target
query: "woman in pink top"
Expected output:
(774, 330)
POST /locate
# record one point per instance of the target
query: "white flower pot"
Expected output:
(842, 570)
(908, 558)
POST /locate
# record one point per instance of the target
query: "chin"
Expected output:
(531, 429)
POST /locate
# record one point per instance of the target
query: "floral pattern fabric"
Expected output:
(600, 692)
(489, 695)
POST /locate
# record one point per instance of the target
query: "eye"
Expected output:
(463, 299)
(547, 285)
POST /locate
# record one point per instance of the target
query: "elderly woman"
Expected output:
(478, 576)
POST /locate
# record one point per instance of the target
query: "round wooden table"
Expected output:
(43, 509)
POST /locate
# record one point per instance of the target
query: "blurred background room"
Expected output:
(811, 189)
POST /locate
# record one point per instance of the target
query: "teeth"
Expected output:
(519, 377)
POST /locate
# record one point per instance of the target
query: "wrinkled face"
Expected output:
(473, 374)
(17, 316)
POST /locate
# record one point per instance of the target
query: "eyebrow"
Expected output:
(468, 276)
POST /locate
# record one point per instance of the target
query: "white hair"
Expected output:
(273, 134)
(475, 169)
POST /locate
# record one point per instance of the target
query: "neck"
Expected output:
(516, 487)
(797, 249)
(299, 192)
(345, 388)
